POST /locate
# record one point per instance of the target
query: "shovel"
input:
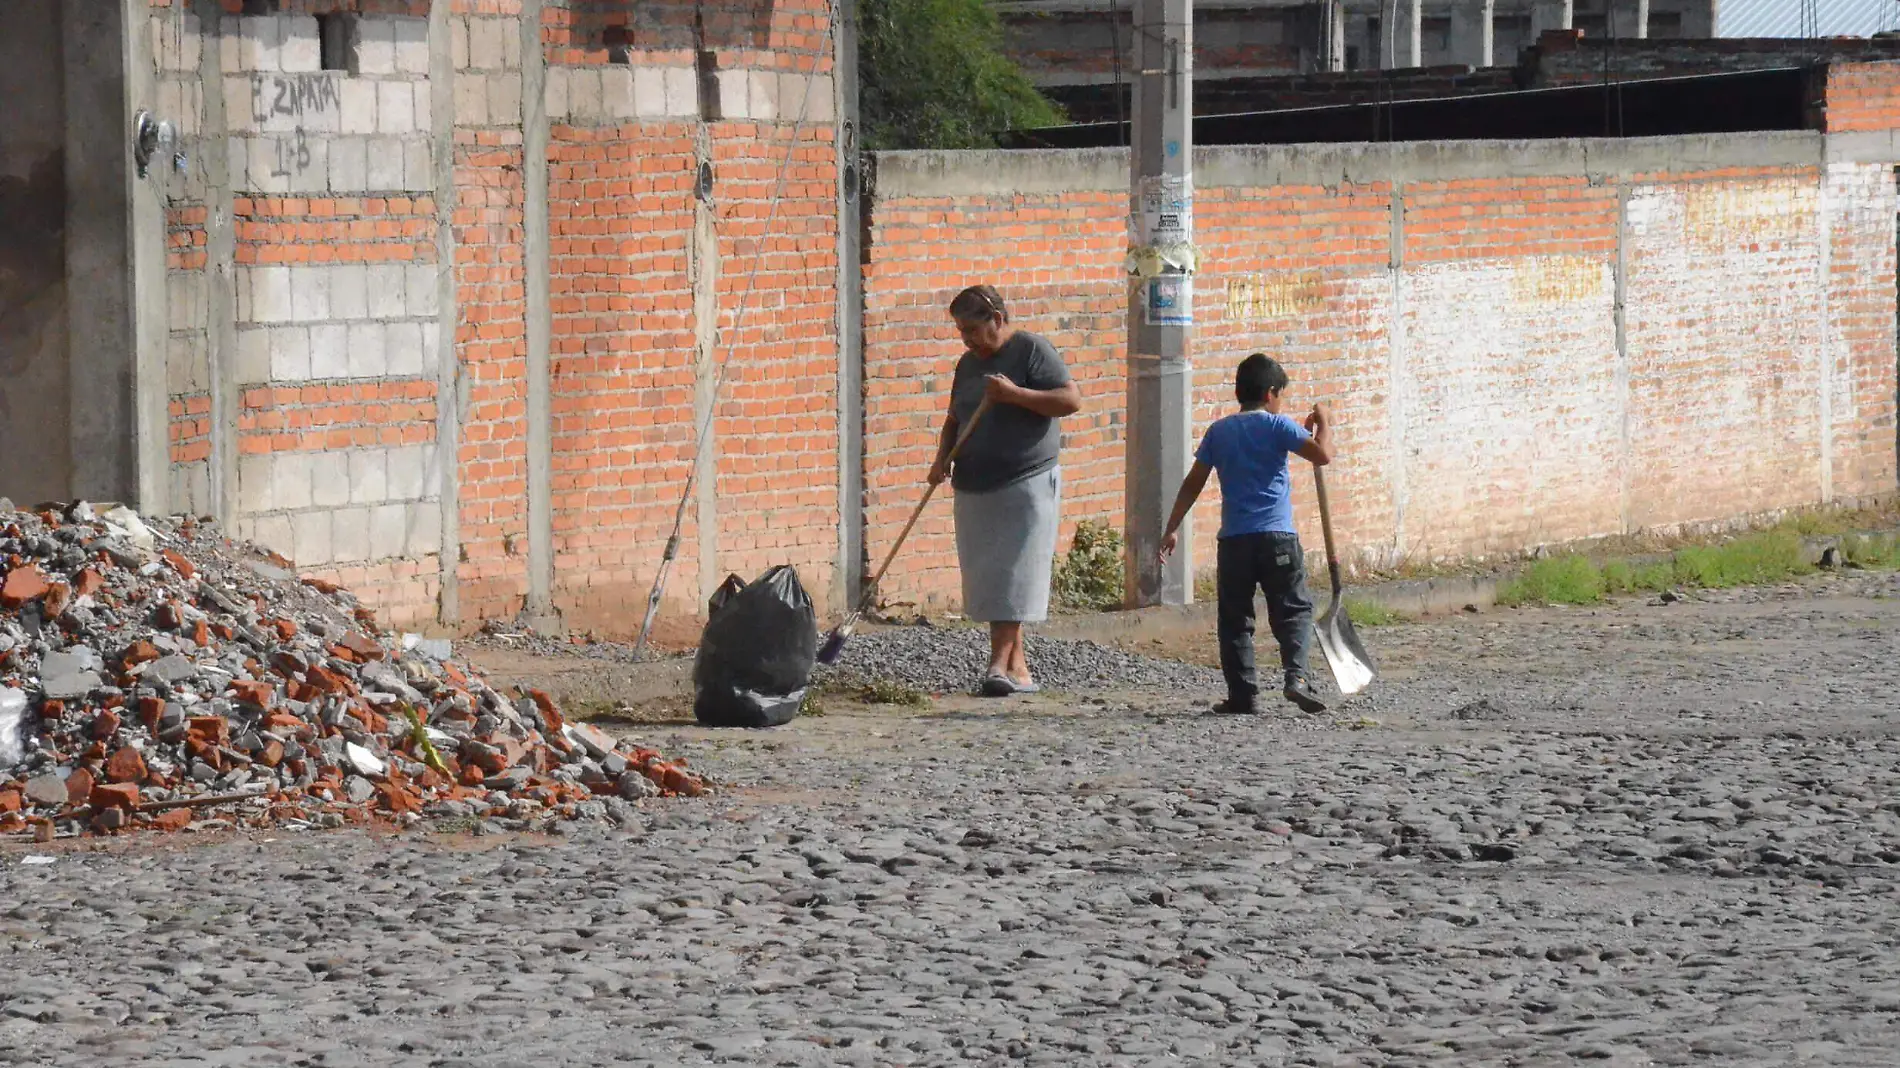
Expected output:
(1352, 668)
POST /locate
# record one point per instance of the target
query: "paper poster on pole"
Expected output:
(1166, 210)
(1170, 301)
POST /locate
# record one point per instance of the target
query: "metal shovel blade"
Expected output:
(1352, 668)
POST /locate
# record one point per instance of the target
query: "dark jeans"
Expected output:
(1275, 565)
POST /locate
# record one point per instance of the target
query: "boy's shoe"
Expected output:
(1300, 692)
(1231, 707)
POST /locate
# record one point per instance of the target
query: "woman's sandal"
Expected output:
(998, 685)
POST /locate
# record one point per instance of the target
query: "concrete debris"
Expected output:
(151, 670)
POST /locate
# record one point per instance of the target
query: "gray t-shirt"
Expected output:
(1011, 443)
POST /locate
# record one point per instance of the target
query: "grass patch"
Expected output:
(1090, 576)
(1876, 553)
(1751, 560)
(1555, 580)
(1757, 558)
(1366, 613)
(885, 692)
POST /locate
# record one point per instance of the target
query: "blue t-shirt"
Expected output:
(1249, 450)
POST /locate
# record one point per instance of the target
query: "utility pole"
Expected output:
(1161, 299)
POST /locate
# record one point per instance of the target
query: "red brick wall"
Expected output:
(622, 211)
(1482, 404)
(1061, 279)
(1861, 208)
(491, 342)
(1861, 96)
(621, 214)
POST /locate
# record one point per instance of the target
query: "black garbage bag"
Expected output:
(756, 656)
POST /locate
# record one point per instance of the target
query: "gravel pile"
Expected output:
(151, 671)
(519, 637)
(945, 660)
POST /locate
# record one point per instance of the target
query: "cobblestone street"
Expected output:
(1641, 834)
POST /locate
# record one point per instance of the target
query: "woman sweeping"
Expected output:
(1006, 476)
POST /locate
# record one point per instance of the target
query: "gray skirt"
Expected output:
(1006, 546)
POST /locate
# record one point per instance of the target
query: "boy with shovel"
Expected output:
(1258, 545)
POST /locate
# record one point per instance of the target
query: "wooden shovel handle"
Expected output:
(1326, 527)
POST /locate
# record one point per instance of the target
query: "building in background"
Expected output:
(1806, 18)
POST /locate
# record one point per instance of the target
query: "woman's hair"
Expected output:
(1258, 376)
(978, 303)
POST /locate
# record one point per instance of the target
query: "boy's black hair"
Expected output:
(1258, 376)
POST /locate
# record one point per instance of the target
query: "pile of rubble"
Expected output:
(156, 674)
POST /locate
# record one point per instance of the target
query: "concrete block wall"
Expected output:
(1525, 344)
(436, 262)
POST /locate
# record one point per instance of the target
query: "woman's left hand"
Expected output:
(1000, 390)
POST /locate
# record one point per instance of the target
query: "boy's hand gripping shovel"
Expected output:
(1352, 668)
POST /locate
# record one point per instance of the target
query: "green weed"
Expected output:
(1772, 556)
(1880, 552)
(1090, 576)
(1369, 613)
(1555, 580)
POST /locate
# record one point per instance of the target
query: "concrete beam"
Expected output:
(1051, 171)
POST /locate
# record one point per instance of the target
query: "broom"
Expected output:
(834, 642)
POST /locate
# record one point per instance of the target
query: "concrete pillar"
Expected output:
(1408, 35)
(1628, 19)
(1471, 31)
(852, 566)
(1332, 35)
(1551, 15)
(540, 321)
(450, 385)
(1160, 379)
(110, 362)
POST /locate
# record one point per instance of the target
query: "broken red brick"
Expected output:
(180, 564)
(396, 799)
(169, 615)
(328, 681)
(150, 709)
(201, 634)
(22, 584)
(272, 754)
(11, 800)
(175, 819)
(58, 597)
(365, 648)
(261, 695)
(126, 765)
(213, 729)
(319, 585)
(78, 787)
(286, 629)
(114, 795)
(89, 582)
(548, 711)
(283, 721)
(140, 652)
(105, 724)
